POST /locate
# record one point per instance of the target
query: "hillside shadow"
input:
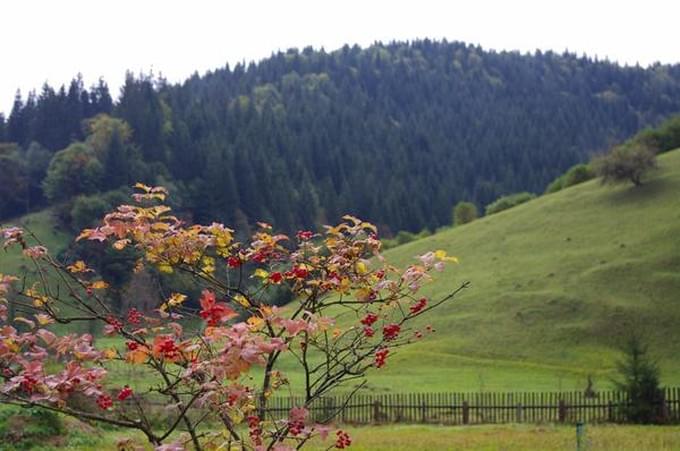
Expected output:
(636, 194)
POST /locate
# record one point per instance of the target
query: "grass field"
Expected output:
(556, 285)
(441, 438)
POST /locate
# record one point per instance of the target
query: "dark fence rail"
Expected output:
(475, 408)
(464, 408)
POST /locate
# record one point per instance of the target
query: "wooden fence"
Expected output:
(475, 408)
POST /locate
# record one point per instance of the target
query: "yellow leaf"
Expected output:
(120, 244)
(441, 255)
(242, 300)
(353, 219)
(109, 353)
(255, 323)
(164, 267)
(261, 273)
(176, 299)
(99, 285)
(361, 268)
(137, 356)
(371, 227)
(78, 267)
(143, 187)
(43, 319)
(344, 285)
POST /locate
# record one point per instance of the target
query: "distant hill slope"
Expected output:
(556, 283)
(41, 224)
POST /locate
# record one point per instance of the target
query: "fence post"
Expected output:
(562, 411)
(423, 414)
(466, 412)
(376, 411)
(664, 406)
(519, 413)
(610, 412)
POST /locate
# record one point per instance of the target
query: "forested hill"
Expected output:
(394, 133)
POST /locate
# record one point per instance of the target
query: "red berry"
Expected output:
(381, 357)
(104, 402)
(391, 331)
(132, 345)
(369, 319)
(125, 393)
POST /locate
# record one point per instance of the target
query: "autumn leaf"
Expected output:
(99, 285)
(441, 255)
(120, 244)
(261, 273)
(136, 357)
(78, 267)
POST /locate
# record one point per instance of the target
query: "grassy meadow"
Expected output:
(556, 285)
(436, 438)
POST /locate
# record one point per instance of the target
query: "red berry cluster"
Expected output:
(234, 262)
(418, 306)
(381, 357)
(104, 402)
(369, 319)
(304, 235)
(28, 383)
(125, 393)
(259, 257)
(255, 430)
(276, 277)
(115, 323)
(343, 440)
(132, 345)
(391, 331)
(368, 331)
(169, 349)
(295, 427)
(298, 272)
(134, 316)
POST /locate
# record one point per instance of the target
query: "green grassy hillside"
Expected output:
(556, 284)
(41, 224)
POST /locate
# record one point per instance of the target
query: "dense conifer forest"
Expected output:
(395, 133)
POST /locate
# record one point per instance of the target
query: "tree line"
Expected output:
(396, 133)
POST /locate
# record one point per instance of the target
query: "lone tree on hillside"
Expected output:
(627, 162)
(464, 212)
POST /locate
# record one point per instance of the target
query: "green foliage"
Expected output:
(505, 202)
(625, 163)
(464, 212)
(87, 210)
(23, 428)
(556, 185)
(577, 174)
(663, 138)
(13, 180)
(640, 379)
(73, 171)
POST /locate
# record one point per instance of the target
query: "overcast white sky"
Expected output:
(52, 40)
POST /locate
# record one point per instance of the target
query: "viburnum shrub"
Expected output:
(208, 374)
